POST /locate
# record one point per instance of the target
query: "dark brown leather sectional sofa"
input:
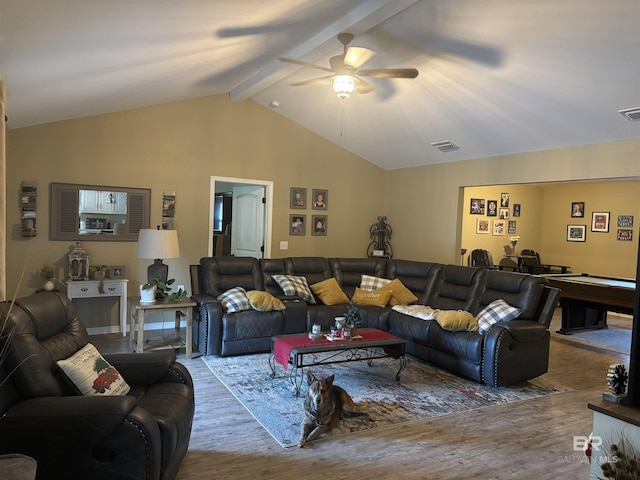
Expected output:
(510, 352)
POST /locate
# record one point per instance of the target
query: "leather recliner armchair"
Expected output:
(142, 435)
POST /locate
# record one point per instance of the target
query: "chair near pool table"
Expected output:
(529, 261)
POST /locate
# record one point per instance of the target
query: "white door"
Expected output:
(247, 226)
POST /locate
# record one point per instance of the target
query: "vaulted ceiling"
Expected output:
(496, 76)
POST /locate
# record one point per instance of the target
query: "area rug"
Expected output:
(424, 391)
(616, 337)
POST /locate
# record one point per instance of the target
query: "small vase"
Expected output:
(99, 274)
(48, 286)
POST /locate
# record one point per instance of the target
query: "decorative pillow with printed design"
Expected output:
(369, 297)
(496, 311)
(369, 282)
(329, 292)
(92, 374)
(295, 286)
(235, 300)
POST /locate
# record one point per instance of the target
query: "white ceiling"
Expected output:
(496, 76)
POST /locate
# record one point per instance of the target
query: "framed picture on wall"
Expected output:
(482, 225)
(319, 225)
(297, 225)
(492, 208)
(511, 227)
(516, 209)
(320, 199)
(498, 227)
(600, 221)
(625, 235)
(504, 213)
(298, 197)
(576, 233)
(577, 209)
(625, 221)
(477, 206)
(504, 200)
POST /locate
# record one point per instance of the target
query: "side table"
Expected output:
(109, 288)
(182, 308)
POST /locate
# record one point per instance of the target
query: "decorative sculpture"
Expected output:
(617, 379)
(380, 234)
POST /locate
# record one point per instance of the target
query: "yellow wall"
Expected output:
(528, 225)
(425, 204)
(545, 214)
(179, 146)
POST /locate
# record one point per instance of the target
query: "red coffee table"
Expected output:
(371, 344)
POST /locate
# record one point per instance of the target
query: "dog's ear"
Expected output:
(329, 380)
(310, 377)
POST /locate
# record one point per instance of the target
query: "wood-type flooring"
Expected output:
(532, 439)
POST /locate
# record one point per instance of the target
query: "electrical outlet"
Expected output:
(284, 245)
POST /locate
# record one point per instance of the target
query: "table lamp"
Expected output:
(158, 244)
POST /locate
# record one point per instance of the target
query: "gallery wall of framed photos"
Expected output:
(589, 226)
(318, 203)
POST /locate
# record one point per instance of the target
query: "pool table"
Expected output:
(585, 299)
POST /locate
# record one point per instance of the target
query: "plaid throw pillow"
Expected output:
(369, 282)
(235, 300)
(295, 286)
(496, 311)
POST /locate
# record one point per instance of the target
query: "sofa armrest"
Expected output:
(205, 299)
(523, 330)
(514, 351)
(89, 418)
(148, 368)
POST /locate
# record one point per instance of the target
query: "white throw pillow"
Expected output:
(92, 374)
(496, 311)
(295, 286)
(235, 300)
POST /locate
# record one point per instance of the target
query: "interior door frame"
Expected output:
(268, 192)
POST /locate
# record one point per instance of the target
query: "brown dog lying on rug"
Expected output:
(323, 407)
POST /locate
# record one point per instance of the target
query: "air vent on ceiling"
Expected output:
(631, 114)
(445, 146)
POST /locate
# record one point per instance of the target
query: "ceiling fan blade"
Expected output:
(312, 80)
(363, 87)
(390, 73)
(357, 56)
(305, 64)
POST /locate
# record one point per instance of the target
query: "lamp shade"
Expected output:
(158, 244)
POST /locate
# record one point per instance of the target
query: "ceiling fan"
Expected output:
(345, 70)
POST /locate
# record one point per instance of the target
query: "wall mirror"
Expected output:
(97, 212)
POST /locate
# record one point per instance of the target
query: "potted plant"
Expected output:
(352, 319)
(99, 271)
(48, 273)
(160, 289)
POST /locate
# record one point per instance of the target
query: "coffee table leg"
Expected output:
(272, 365)
(297, 374)
(403, 365)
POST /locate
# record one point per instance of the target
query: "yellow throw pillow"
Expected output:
(264, 301)
(456, 320)
(329, 292)
(400, 295)
(368, 297)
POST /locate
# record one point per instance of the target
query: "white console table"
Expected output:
(110, 288)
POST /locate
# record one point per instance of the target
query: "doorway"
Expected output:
(257, 217)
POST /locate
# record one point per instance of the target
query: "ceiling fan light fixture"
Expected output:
(343, 85)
